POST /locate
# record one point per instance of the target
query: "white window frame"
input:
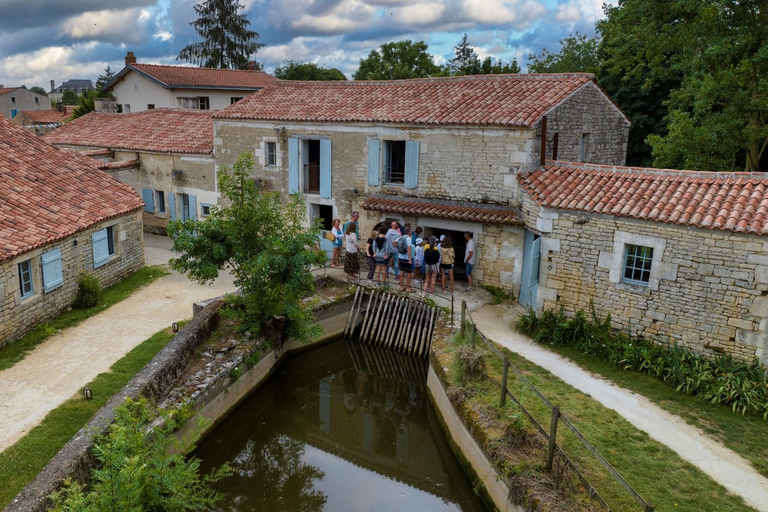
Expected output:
(29, 263)
(203, 208)
(638, 259)
(270, 157)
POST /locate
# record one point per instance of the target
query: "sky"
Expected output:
(44, 40)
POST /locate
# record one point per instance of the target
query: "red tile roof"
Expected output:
(47, 194)
(206, 78)
(470, 212)
(735, 201)
(47, 116)
(484, 100)
(162, 130)
(6, 90)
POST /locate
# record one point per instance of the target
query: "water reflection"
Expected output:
(341, 427)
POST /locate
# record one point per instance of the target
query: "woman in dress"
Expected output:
(352, 262)
(339, 234)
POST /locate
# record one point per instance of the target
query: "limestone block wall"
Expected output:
(17, 315)
(708, 289)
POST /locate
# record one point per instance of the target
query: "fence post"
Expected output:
(463, 318)
(504, 383)
(453, 317)
(552, 437)
(648, 508)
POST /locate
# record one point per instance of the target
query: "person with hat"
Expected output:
(418, 261)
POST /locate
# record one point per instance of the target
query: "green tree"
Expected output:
(104, 79)
(297, 70)
(578, 53)
(488, 67)
(261, 238)
(398, 60)
(227, 41)
(69, 97)
(135, 471)
(465, 60)
(38, 90)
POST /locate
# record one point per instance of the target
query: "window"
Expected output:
(271, 153)
(13, 99)
(205, 209)
(583, 147)
(37, 100)
(26, 284)
(203, 103)
(394, 167)
(103, 242)
(160, 201)
(188, 207)
(311, 156)
(637, 264)
(234, 99)
(150, 106)
(127, 108)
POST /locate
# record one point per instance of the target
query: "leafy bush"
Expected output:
(499, 295)
(471, 363)
(88, 291)
(720, 380)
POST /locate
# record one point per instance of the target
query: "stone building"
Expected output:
(676, 256)
(442, 153)
(15, 99)
(166, 155)
(41, 122)
(59, 216)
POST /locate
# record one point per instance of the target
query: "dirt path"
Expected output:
(56, 369)
(721, 464)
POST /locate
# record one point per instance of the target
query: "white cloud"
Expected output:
(517, 13)
(126, 25)
(163, 35)
(419, 14)
(51, 63)
(345, 16)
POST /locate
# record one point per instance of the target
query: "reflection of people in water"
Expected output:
(350, 389)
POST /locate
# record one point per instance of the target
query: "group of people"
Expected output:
(402, 252)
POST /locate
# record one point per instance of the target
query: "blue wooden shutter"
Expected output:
(374, 167)
(53, 276)
(293, 166)
(172, 205)
(192, 214)
(325, 168)
(149, 200)
(411, 164)
(100, 248)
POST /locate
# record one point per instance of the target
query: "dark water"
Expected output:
(343, 427)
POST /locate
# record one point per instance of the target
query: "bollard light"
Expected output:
(175, 327)
(87, 393)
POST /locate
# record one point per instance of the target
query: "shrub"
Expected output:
(499, 295)
(471, 363)
(88, 291)
(720, 380)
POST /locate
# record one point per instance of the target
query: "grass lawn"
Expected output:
(20, 463)
(654, 470)
(18, 350)
(744, 434)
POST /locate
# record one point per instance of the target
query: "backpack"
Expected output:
(379, 250)
(431, 255)
(402, 245)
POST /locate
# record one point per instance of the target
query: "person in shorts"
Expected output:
(431, 264)
(470, 257)
(381, 255)
(405, 255)
(447, 257)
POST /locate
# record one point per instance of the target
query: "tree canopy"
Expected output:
(227, 41)
(578, 53)
(69, 97)
(104, 79)
(398, 60)
(467, 62)
(297, 70)
(38, 90)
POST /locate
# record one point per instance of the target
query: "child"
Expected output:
(418, 262)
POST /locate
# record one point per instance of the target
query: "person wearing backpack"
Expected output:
(392, 235)
(431, 260)
(381, 255)
(405, 255)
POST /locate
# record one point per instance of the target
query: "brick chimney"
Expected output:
(53, 85)
(130, 58)
(253, 66)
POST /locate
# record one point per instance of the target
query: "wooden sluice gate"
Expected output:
(387, 363)
(392, 321)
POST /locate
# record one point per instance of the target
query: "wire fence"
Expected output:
(469, 330)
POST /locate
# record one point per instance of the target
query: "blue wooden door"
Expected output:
(326, 245)
(529, 284)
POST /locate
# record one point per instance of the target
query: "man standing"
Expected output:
(469, 257)
(355, 216)
(405, 255)
(392, 235)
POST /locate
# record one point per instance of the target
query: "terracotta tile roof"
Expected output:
(46, 116)
(6, 90)
(470, 212)
(501, 100)
(162, 130)
(735, 201)
(205, 78)
(47, 194)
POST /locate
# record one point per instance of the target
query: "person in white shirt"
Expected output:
(470, 257)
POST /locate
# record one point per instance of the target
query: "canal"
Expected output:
(341, 427)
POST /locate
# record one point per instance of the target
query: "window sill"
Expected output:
(161, 215)
(31, 299)
(393, 184)
(640, 289)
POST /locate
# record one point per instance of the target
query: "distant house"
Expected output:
(15, 99)
(141, 87)
(165, 154)
(59, 216)
(79, 86)
(43, 121)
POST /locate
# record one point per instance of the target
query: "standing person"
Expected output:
(405, 255)
(353, 218)
(418, 261)
(431, 259)
(392, 235)
(337, 241)
(417, 234)
(470, 257)
(439, 246)
(448, 256)
(352, 261)
(369, 256)
(381, 255)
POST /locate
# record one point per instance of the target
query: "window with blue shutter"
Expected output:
(149, 200)
(373, 162)
(192, 211)
(103, 246)
(26, 282)
(293, 166)
(53, 276)
(172, 205)
(411, 164)
(325, 168)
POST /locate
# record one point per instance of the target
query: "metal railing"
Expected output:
(469, 330)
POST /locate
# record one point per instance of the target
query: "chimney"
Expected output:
(59, 106)
(252, 65)
(53, 85)
(130, 58)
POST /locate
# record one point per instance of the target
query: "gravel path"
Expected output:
(57, 368)
(721, 464)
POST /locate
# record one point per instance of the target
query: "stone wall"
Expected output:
(17, 315)
(708, 289)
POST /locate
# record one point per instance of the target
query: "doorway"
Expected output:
(324, 212)
(459, 247)
(529, 284)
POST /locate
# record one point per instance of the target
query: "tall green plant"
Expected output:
(263, 241)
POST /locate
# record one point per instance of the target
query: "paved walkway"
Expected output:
(56, 369)
(721, 464)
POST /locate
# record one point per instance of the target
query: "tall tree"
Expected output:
(69, 97)
(488, 67)
(398, 60)
(297, 70)
(38, 90)
(578, 53)
(227, 41)
(104, 79)
(465, 60)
